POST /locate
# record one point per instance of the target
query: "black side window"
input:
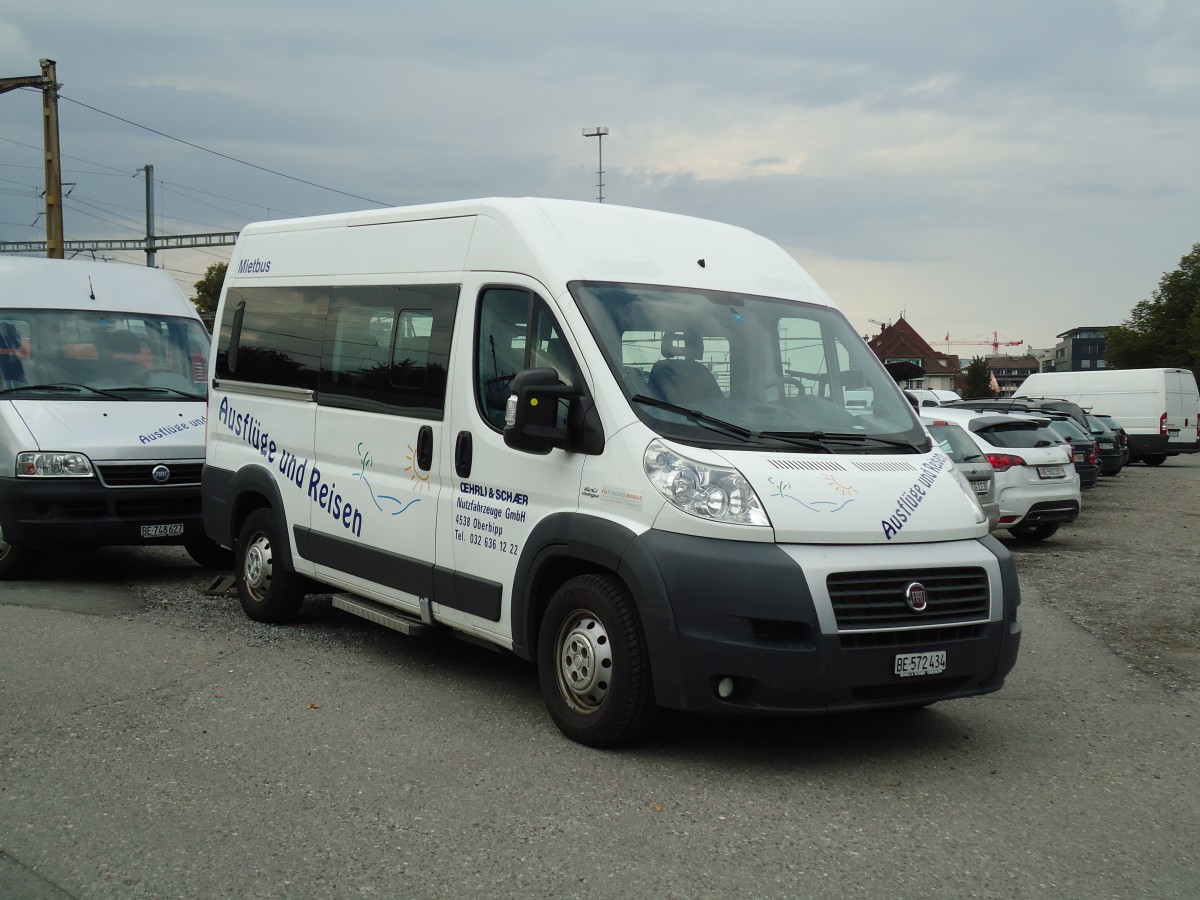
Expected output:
(278, 338)
(515, 331)
(387, 348)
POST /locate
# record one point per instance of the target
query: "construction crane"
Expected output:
(995, 343)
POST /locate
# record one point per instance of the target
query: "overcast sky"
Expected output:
(1013, 167)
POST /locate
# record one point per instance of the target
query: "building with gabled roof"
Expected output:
(899, 343)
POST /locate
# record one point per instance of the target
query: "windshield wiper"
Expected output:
(158, 390)
(843, 437)
(75, 388)
(700, 418)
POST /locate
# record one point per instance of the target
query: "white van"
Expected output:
(610, 440)
(103, 381)
(1158, 408)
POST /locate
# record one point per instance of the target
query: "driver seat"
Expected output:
(679, 377)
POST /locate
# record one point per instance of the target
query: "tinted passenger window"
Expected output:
(388, 348)
(273, 336)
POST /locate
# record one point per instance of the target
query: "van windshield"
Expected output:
(91, 354)
(719, 369)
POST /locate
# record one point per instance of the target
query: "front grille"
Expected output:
(138, 474)
(912, 638)
(873, 600)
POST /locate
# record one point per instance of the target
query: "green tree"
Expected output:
(208, 289)
(1165, 330)
(979, 380)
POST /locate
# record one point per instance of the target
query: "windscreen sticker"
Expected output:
(171, 429)
(842, 495)
(485, 517)
(911, 499)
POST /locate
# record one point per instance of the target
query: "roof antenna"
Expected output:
(91, 290)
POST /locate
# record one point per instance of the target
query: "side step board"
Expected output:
(380, 614)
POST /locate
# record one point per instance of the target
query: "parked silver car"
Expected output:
(969, 460)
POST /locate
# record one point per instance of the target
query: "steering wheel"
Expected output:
(787, 379)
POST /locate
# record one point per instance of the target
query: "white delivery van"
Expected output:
(103, 381)
(612, 441)
(1158, 408)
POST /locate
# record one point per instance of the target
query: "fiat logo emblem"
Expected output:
(915, 597)
(160, 474)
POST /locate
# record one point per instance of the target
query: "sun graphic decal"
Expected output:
(844, 489)
(396, 505)
(420, 481)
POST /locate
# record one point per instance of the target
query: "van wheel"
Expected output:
(593, 665)
(1156, 460)
(1034, 532)
(268, 591)
(208, 554)
(17, 562)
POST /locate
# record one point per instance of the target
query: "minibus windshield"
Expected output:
(101, 355)
(723, 369)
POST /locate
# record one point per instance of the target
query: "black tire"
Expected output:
(593, 665)
(1156, 460)
(269, 591)
(208, 554)
(1034, 532)
(17, 562)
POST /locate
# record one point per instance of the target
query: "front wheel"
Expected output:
(17, 562)
(1034, 532)
(593, 665)
(268, 590)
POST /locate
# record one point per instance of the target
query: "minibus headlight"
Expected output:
(57, 464)
(707, 492)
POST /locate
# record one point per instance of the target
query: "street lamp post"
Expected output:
(598, 133)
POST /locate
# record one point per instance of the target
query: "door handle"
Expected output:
(425, 448)
(462, 454)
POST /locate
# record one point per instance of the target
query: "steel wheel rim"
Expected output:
(583, 657)
(256, 569)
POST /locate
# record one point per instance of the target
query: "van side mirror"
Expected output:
(533, 420)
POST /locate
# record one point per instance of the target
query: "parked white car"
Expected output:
(970, 460)
(1037, 487)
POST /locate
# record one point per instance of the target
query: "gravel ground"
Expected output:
(1126, 571)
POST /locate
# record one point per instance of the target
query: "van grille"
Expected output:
(873, 600)
(138, 474)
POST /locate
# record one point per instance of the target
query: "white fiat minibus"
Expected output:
(103, 381)
(620, 443)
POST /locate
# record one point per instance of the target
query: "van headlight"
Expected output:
(59, 464)
(707, 492)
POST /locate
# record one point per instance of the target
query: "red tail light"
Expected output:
(1002, 462)
(1162, 424)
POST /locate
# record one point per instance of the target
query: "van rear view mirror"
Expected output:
(543, 413)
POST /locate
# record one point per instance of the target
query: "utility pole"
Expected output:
(48, 82)
(149, 170)
(598, 133)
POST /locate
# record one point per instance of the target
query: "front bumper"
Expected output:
(761, 616)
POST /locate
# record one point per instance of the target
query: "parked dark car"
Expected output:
(1108, 445)
(1036, 405)
(1083, 446)
(1122, 436)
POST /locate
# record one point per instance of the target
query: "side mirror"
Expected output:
(534, 421)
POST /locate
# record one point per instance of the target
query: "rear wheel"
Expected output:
(268, 590)
(1156, 460)
(593, 665)
(1034, 532)
(17, 562)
